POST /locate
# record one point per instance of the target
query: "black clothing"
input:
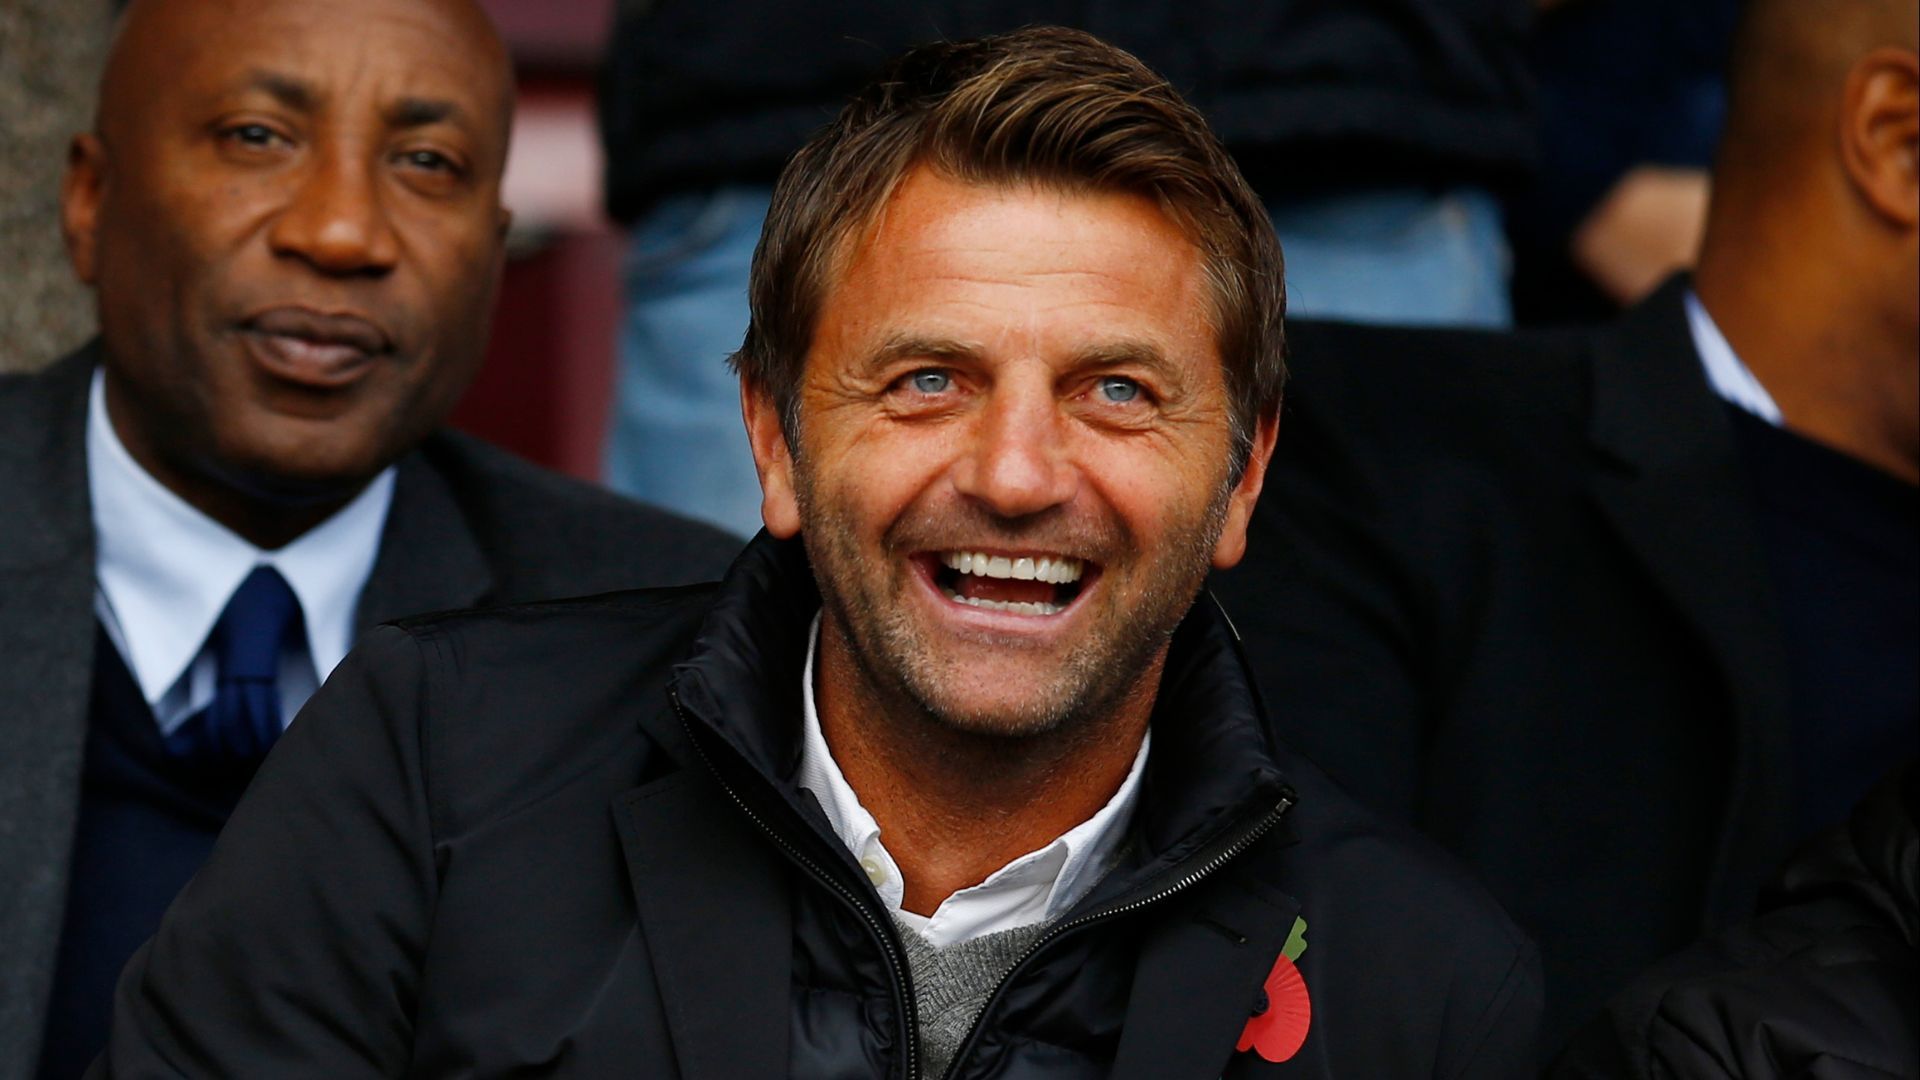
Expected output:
(569, 838)
(1842, 541)
(469, 525)
(147, 821)
(1620, 84)
(1824, 984)
(1430, 93)
(1509, 588)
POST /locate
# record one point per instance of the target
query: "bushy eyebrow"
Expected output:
(419, 112)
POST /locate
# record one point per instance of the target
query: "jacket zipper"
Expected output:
(896, 965)
(1250, 836)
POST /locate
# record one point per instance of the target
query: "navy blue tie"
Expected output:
(240, 726)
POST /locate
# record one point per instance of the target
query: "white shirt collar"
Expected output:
(1035, 887)
(1731, 378)
(165, 570)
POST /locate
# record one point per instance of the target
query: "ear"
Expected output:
(1880, 133)
(81, 191)
(773, 458)
(1232, 544)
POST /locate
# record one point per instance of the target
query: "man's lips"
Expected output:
(316, 349)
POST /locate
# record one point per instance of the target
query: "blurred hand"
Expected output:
(1645, 228)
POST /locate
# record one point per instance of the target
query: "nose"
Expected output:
(337, 220)
(1016, 463)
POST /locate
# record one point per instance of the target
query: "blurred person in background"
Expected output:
(289, 215)
(1631, 100)
(1378, 134)
(1619, 615)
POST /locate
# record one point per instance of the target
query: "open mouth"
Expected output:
(1015, 584)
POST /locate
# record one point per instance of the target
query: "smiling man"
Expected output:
(954, 775)
(290, 216)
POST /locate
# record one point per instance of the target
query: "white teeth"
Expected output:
(1058, 571)
(1012, 606)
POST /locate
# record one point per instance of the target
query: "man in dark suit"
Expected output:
(952, 775)
(1617, 615)
(290, 216)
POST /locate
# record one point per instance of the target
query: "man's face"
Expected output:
(291, 219)
(1014, 459)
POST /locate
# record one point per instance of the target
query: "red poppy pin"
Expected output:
(1282, 1011)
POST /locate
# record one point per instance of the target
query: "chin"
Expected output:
(299, 479)
(999, 716)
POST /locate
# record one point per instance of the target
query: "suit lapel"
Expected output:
(46, 672)
(714, 909)
(429, 558)
(1198, 978)
(1672, 486)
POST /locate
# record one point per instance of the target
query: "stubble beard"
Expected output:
(909, 681)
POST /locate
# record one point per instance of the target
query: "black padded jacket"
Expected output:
(1823, 984)
(566, 839)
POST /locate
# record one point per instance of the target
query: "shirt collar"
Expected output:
(1035, 887)
(1731, 378)
(166, 570)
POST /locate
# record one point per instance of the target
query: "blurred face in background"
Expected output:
(290, 214)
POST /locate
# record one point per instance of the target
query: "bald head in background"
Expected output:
(1811, 262)
(290, 215)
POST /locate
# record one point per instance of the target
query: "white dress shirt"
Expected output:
(1731, 378)
(164, 572)
(1033, 888)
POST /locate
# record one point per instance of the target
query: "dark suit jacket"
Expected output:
(470, 525)
(1509, 588)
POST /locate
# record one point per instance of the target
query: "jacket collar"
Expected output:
(1671, 484)
(1212, 765)
(430, 559)
(1210, 782)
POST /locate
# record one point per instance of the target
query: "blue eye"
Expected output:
(1119, 390)
(931, 382)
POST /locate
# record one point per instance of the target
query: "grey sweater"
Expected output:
(952, 984)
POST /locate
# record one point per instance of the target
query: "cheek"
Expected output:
(1155, 488)
(458, 259)
(874, 482)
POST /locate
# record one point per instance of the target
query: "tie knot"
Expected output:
(254, 628)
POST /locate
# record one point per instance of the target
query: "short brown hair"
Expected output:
(1047, 106)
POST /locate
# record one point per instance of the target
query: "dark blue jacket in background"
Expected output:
(1309, 95)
